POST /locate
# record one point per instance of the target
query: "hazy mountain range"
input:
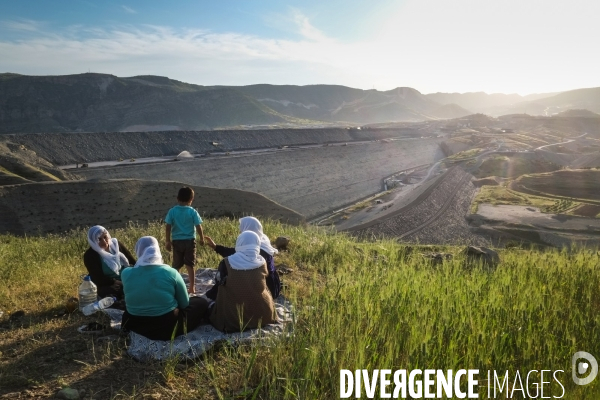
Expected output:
(546, 104)
(100, 102)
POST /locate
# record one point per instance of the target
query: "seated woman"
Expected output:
(243, 300)
(266, 251)
(104, 260)
(157, 302)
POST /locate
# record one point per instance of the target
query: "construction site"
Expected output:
(429, 182)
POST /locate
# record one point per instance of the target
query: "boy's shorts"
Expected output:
(184, 253)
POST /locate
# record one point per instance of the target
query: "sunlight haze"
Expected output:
(431, 45)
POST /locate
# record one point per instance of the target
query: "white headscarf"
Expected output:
(148, 252)
(247, 249)
(254, 225)
(113, 258)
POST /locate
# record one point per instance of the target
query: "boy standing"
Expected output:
(182, 224)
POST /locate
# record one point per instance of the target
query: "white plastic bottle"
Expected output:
(98, 305)
(88, 292)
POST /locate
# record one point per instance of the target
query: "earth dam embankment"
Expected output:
(71, 148)
(311, 181)
(311, 171)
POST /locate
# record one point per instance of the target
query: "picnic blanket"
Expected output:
(203, 337)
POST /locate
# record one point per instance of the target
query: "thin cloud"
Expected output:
(160, 42)
(22, 25)
(305, 28)
(293, 22)
(128, 10)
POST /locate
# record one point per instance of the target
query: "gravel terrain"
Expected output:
(310, 181)
(437, 218)
(451, 227)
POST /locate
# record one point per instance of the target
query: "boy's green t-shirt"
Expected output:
(183, 221)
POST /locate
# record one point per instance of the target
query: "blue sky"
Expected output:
(513, 46)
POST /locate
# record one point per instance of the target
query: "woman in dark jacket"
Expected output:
(104, 260)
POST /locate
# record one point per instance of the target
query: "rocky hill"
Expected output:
(340, 103)
(546, 104)
(98, 102)
(588, 99)
(494, 104)
(568, 124)
(575, 113)
(102, 103)
(580, 99)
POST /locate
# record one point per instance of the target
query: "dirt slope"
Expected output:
(54, 207)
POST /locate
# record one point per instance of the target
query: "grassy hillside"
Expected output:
(359, 305)
(99, 102)
(579, 184)
(498, 195)
(575, 99)
(21, 165)
(556, 126)
(512, 167)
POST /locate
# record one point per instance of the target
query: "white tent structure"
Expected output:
(184, 155)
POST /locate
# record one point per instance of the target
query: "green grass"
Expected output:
(464, 155)
(26, 171)
(578, 184)
(9, 178)
(560, 206)
(359, 305)
(501, 195)
(511, 167)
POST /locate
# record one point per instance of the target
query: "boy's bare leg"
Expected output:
(192, 279)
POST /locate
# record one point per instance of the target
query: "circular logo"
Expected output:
(581, 367)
